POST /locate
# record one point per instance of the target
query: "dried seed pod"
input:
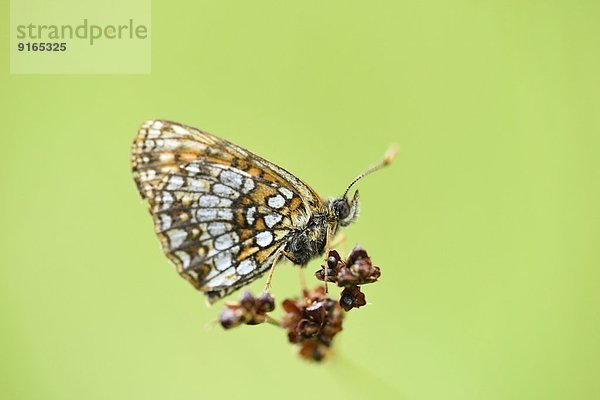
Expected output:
(352, 297)
(231, 317)
(248, 310)
(247, 301)
(312, 321)
(265, 303)
(358, 269)
(332, 265)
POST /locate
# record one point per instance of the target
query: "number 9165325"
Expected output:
(41, 46)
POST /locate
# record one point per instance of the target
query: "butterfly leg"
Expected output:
(327, 247)
(290, 257)
(270, 276)
(341, 238)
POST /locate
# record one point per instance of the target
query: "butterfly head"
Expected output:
(345, 210)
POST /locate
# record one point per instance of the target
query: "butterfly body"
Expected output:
(309, 242)
(223, 214)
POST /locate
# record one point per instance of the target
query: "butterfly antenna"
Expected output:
(388, 157)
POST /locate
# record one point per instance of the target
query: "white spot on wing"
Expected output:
(153, 133)
(286, 192)
(231, 178)
(250, 215)
(206, 214)
(224, 191)
(272, 219)
(192, 168)
(225, 279)
(217, 228)
(213, 214)
(248, 185)
(225, 203)
(176, 237)
(166, 157)
(276, 201)
(178, 129)
(225, 214)
(264, 238)
(184, 258)
(149, 145)
(167, 200)
(197, 185)
(168, 144)
(148, 175)
(175, 182)
(223, 261)
(225, 241)
(246, 266)
(165, 222)
(208, 200)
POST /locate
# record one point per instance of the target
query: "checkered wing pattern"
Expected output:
(221, 212)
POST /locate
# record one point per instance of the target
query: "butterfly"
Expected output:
(224, 215)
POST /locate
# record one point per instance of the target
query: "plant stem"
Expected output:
(273, 321)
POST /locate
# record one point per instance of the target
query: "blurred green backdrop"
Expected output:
(486, 227)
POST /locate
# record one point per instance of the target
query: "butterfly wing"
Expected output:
(221, 212)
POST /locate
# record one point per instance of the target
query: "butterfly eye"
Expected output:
(341, 208)
(346, 211)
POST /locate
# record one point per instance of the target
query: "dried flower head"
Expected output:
(352, 297)
(248, 310)
(356, 270)
(333, 264)
(315, 319)
(312, 322)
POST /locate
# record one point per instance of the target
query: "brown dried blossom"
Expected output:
(333, 264)
(312, 322)
(356, 270)
(248, 310)
(315, 319)
(352, 297)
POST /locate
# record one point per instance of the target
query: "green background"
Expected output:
(486, 227)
